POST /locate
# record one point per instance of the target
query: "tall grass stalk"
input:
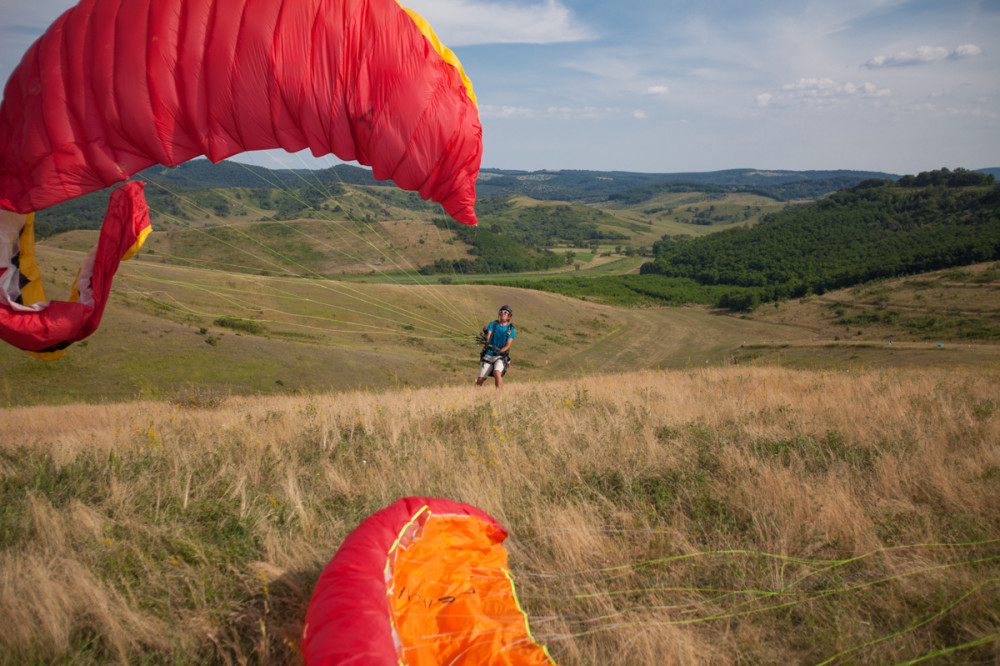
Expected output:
(751, 515)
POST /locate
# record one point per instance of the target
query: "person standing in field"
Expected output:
(497, 338)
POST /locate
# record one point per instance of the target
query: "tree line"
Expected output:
(493, 253)
(875, 230)
(546, 225)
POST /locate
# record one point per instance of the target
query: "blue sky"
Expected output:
(660, 86)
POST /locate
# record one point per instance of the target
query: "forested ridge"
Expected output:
(805, 190)
(877, 229)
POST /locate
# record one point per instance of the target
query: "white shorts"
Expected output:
(490, 365)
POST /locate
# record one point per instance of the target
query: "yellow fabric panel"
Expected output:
(48, 356)
(74, 292)
(137, 245)
(33, 292)
(454, 601)
(445, 53)
(74, 296)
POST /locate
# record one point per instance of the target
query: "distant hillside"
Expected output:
(547, 224)
(878, 229)
(575, 184)
(875, 230)
(199, 193)
(533, 212)
(570, 185)
(794, 190)
(201, 173)
(196, 189)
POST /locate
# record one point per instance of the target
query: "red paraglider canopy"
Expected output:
(116, 86)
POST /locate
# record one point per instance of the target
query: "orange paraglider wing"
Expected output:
(424, 581)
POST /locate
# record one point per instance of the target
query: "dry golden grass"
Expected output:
(731, 515)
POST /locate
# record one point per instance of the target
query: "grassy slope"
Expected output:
(917, 320)
(674, 213)
(328, 335)
(704, 516)
(295, 247)
(671, 214)
(322, 335)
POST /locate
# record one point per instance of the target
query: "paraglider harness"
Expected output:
(489, 349)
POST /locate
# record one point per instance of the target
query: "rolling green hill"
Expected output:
(343, 224)
(214, 215)
(875, 230)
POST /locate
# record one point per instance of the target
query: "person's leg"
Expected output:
(498, 369)
(484, 372)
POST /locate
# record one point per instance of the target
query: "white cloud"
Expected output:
(828, 88)
(639, 114)
(820, 92)
(924, 55)
(657, 90)
(967, 51)
(468, 22)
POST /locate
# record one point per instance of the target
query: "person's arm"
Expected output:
(510, 339)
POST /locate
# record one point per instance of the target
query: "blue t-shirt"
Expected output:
(501, 334)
